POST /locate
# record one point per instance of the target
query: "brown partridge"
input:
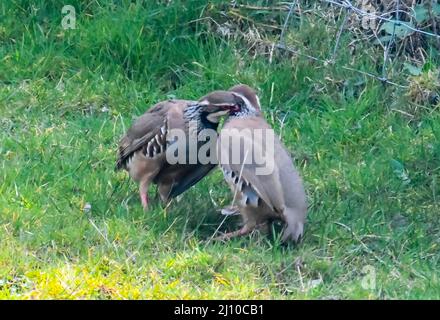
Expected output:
(142, 151)
(263, 191)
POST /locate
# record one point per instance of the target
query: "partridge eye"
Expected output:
(241, 106)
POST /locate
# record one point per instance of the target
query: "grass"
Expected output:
(66, 97)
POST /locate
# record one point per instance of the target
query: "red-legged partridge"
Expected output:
(263, 192)
(142, 151)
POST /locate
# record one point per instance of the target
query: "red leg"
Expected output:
(238, 233)
(144, 200)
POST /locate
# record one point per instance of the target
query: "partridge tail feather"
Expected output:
(294, 228)
(118, 165)
(190, 179)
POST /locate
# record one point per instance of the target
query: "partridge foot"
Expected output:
(238, 233)
(230, 211)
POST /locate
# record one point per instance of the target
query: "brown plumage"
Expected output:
(278, 195)
(142, 151)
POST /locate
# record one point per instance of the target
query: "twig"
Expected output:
(234, 13)
(389, 44)
(338, 36)
(286, 23)
(251, 7)
(298, 53)
(361, 242)
(325, 63)
(300, 277)
(347, 4)
(102, 234)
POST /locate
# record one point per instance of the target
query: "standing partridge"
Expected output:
(263, 192)
(142, 151)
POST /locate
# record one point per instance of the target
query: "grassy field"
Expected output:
(66, 97)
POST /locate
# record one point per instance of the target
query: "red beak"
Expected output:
(232, 108)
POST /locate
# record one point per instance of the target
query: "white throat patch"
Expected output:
(249, 105)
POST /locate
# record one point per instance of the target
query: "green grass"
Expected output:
(372, 175)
